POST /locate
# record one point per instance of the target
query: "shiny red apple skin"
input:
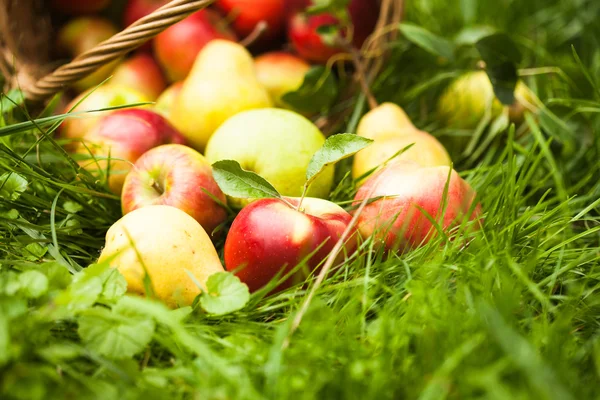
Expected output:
(175, 175)
(79, 7)
(125, 135)
(268, 235)
(396, 221)
(176, 48)
(142, 73)
(249, 13)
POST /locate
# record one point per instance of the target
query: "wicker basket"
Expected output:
(26, 31)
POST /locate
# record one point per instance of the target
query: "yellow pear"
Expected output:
(392, 130)
(221, 83)
(167, 244)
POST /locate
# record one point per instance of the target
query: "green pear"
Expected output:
(221, 83)
(275, 143)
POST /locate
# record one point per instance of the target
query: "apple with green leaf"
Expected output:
(286, 237)
(178, 176)
(406, 195)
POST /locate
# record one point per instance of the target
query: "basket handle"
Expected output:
(120, 44)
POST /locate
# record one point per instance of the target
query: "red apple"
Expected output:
(249, 13)
(136, 9)
(124, 135)
(396, 220)
(82, 34)
(269, 236)
(292, 7)
(308, 43)
(142, 73)
(302, 30)
(280, 73)
(176, 48)
(95, 99)
(79, 7)
(178, 176)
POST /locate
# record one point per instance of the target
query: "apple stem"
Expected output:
(327, 266)
(304, 190)
(259, 29)
(157, 187)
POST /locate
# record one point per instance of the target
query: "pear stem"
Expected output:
(259, 29)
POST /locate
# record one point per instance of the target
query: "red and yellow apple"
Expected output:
(142, 73)
(95, 99)
(269, 237)
(124, 135)
(407, 190)
(79, 7)
(176, 47)
(280, 72)
(247, 14)
(178, 176)
(82, 34)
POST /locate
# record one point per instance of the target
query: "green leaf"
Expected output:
(237, 182)
(12, 185)
(317, 93)
(330, 34)
(34, 251)
(117, 334)
(501, 57)
(33, 283)
(226, 294)
(9, 214)
(72, 207)
(11, 100)
(327, 6)
(335, 148)
(434, 44)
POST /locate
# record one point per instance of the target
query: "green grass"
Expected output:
(513, 315)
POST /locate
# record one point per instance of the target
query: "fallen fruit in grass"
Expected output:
(178, 176)
(82, 34)
(221, 84)
(270, 237)
(177, 47)
(247, 14)
(466, 100)
(397, 220)
(79, 7)
(95, 99)
(142, 73)
(165, 247)
(391, 129)
(303, 30)
(277, 144)
(280, 73)
(124, 135)
(164, 103)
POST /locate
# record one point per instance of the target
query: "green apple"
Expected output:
(275, 143)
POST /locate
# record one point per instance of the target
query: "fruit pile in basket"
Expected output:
(226, 153)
